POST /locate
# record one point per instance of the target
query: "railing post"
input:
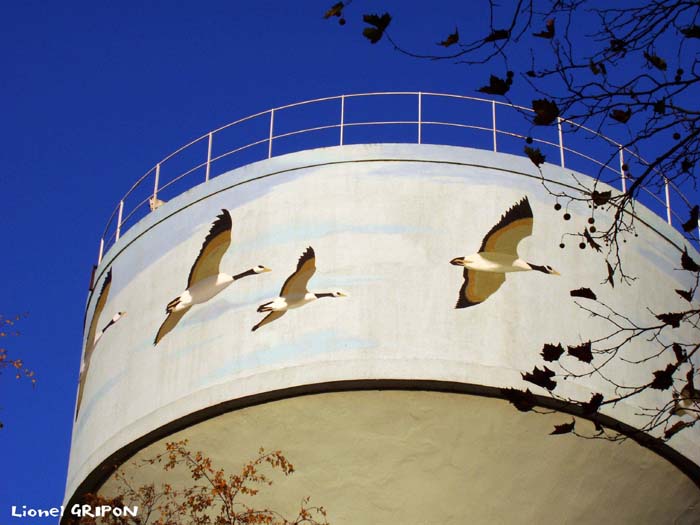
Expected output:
(493, 122)
(272, 126)
(119, 220)
(206, 175)
(623, 177)
(102, 249)
(420, 117)
(156, 182)
(561, 142)
(668, 201)
(342, 117)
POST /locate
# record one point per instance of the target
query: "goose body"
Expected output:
(287, 303)
(495, 262)
(205, 280)
(203, 290)
(485, 271)
(294, 293)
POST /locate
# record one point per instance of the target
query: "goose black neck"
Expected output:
(244, 274)
(537, 267)
(319, 295)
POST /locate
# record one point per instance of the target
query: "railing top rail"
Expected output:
(421, 120)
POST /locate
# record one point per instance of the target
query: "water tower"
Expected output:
(391, 396)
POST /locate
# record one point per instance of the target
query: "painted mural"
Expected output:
(206, 279)
(94, 336)
(485, 271)
(385, 232)
(295, 293)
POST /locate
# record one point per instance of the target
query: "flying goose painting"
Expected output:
(205, 280)
(294, 291)
(485, 271)
(94, 336)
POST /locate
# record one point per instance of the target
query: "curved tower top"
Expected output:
(414, 283)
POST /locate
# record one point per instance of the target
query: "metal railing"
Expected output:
(198, 161)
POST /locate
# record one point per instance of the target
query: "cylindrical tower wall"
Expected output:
(384, 221)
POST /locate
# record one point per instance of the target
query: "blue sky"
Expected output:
(93, 94)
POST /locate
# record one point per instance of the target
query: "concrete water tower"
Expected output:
(389, 398)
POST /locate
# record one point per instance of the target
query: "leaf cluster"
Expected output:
(671, 364)
(8, 329)
(211, 497)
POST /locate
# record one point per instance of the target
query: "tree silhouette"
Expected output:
(211, 497)
(8, 329)
(630, 71)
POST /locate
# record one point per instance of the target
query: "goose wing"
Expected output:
(296, 284)
(215, 245)
(169, 323)
(514, 226)
(81, 387)
(90, 341)
(478, 286)
(269, 318)
(101, 302)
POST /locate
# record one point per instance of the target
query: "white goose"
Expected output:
(485, 271)
(294, 291)
(94, 336)
(205, 280)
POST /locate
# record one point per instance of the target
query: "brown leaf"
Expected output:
(611, 275)
(676, 428)
(546, 111)
(522, 400)
(672, 319)
(380, 23)
(617, 45)
(582, 352)
(586, 293)
(656, 61)
(686, 294)
(592, 406)
(548, 31)
(691, 31)
(591, 241)
(497, 86)
(597, 68)
(692, 223)
(564, 428)
(551, 352)
(620, 115)
(690, 385)
(535, 155)
(450, 40)
(687, 262)
(497, 34)
(663, 379)
(679, 352)
(600, 198)
(541, 378)
(336, 10)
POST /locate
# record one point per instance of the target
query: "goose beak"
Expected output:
(457, 261)
(343, 294)
(266, 269)
(554, 272)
